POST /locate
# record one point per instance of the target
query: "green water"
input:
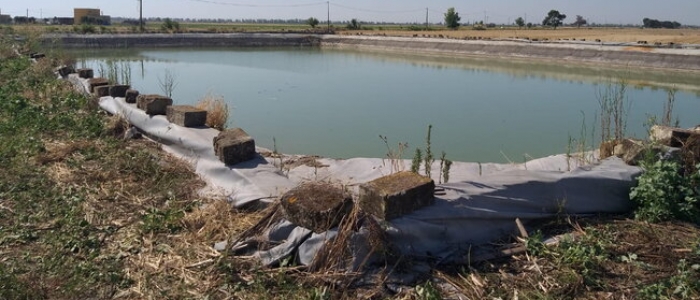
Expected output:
(336, 103)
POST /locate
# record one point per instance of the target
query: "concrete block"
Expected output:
(186, 115)
(118, 90)
(102, 90)
(37, 55)
(670, 136)
(318, 206)
(395, 195)
(95, 82)
(233, 146)
(131, 95)
(63, 71)
(85, 73)
(153, 104)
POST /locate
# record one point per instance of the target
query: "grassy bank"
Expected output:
(87, 214)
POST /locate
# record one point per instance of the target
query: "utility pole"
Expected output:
(426, 18)
(328, 19)
(141, 14)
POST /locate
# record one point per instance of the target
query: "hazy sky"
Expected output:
(497, 11)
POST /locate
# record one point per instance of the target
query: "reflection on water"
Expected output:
(337, 102)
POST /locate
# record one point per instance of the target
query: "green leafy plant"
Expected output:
(428, 158)
(417, 159)
(683, 285)
(427, 291)
(170, 25)
(445, 165)
(167, 220)
(663, 193)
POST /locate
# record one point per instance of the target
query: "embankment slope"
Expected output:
(619, 54)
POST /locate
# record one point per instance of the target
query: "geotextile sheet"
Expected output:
(478, 205)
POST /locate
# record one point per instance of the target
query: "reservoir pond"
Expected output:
(336, 103)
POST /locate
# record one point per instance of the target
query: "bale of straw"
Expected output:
(318, 206)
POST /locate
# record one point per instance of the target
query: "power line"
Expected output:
(258, 5)
(378, 11)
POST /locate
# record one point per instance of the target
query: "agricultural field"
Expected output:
(604, 34)
(664, 36)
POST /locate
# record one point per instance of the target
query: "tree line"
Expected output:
(653, 23)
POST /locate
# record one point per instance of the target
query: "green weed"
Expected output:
(685, 284)
(663, 193)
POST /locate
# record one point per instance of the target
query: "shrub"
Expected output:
(217, 111)
(86, 28)
(170, 25)
(663, 193)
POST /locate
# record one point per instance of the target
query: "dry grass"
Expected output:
(609, 260)
(217, 110)
(159, 261)
(664, 36)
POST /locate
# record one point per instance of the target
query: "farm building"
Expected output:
(90, 16)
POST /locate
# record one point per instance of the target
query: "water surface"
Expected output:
(336, 103)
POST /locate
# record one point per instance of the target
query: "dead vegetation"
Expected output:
(217, 110)
(629, 35)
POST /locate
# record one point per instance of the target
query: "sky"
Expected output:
(495, 11)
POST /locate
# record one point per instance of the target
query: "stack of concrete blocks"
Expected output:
(318, 206)
(395, 195)
(186, 115)
(233, 146)
(131, 95)
(153, 104)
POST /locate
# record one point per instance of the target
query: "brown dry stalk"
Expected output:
(217, 110)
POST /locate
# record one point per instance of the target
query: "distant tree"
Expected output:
(452, 18)
(520, 22)
(354, 25)
(529, 25)
(580, 21)
(653, 23)
(554, 19)
(313, 22)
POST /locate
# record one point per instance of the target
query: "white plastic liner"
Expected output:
(479, 204)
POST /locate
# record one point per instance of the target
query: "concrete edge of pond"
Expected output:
(618, 54)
